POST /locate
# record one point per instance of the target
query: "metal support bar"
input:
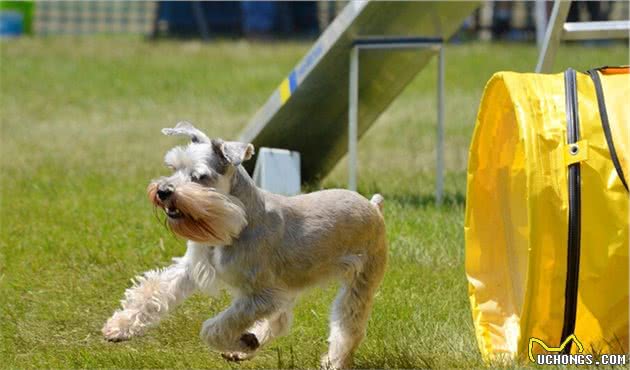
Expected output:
(439, 161)
(540, 18)
(200, 19)
(353, 119)
(552, 36)
(596, 30)
(396, 42)
(353, 101)
(558, 30)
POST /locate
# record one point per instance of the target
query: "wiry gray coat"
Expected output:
(265, 249)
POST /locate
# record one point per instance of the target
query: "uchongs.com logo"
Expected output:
(554, 355)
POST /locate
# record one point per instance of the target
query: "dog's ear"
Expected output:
(187, 129)
(233, 151)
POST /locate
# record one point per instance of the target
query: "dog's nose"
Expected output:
(164, 192)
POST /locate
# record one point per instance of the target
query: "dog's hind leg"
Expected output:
(351, 310)
(153, 295)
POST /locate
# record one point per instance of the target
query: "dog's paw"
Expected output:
(221, 338)
(236, 356)
(250, 341)
(335, 364)
(120, 327)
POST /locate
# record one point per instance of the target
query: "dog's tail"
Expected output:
(378, 201)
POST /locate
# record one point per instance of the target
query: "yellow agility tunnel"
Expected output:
(546, 224)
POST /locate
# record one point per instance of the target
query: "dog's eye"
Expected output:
(199, 178)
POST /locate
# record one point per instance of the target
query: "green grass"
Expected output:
(80, 140)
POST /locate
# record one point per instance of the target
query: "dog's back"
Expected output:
(325, 233)
(343, 215)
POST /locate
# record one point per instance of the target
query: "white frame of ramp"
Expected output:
(558, 29)
(393, 43)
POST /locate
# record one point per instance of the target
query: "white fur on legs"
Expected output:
(159, 291)
(151, 297)
(347, 328)
(265, 330)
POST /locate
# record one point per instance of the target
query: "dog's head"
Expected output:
(196, 196)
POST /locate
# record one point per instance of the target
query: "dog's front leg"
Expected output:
(227, 331)
(158, 292)
(265, 330)
(153, 295)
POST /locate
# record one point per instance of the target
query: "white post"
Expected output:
(439, 167)
(353, 109)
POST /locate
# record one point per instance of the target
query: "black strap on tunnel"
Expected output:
(603, 113)
(574, 226)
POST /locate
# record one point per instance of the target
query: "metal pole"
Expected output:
(353, 104)
(353, 109)
(439, 175)
(540, 17)
(200, 18)
(552, 36)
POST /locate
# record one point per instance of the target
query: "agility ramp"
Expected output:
(308, 112)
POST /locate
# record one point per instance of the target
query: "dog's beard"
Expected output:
(204, 215)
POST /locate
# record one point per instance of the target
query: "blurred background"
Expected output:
(494, 20)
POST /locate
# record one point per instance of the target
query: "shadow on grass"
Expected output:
(400, 362)
(428, 200)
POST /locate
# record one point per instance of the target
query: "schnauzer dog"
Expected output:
(264, 248)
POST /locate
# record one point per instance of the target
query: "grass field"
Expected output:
(80, 140)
